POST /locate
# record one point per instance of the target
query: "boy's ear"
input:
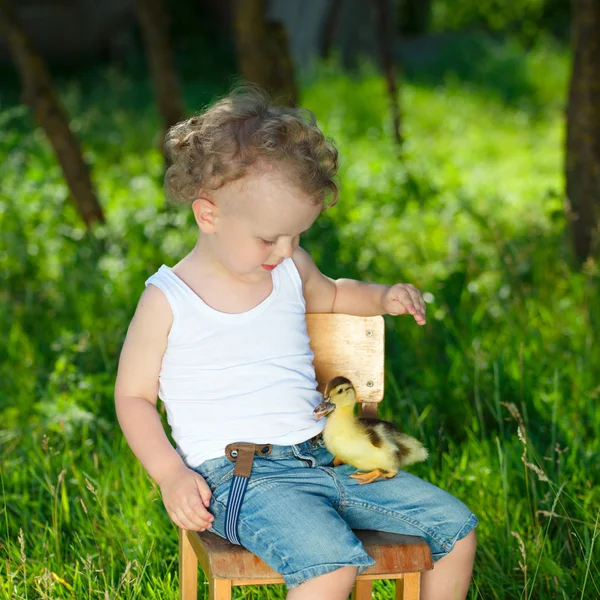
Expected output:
(206, 212)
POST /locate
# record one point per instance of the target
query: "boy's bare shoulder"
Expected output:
(154, 308)
(304, 263)
(319, 290)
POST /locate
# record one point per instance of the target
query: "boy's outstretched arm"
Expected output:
(348, 296)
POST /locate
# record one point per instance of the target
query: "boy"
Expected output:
(221, 338)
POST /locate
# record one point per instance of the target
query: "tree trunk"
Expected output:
(155, 30)
(263, 51)
(38, 94)
(414, 17)
(383, 22)
(330, 28)
(582, 164)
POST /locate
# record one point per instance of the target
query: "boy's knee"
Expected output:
(470, 539)
(467, 545)
(329, 586)
(346, 574)
(339, 577)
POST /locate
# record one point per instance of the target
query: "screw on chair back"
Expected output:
(351, 347)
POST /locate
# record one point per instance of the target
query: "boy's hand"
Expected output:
(186, 497)
(402, 299)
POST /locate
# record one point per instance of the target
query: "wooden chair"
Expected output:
(354, 348)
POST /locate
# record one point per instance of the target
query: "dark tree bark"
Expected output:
(154, 22)
(583, 131)
(382, 17)
(414, 16)
(263, 51)
(330, 28)
(38, 94)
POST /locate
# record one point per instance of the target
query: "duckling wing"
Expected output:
(407, 449)
(376, 427)
(371, 428)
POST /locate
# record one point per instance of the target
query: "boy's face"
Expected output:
(258, 222)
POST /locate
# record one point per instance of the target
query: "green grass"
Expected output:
(500, 385)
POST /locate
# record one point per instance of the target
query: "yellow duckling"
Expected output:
(371, 445)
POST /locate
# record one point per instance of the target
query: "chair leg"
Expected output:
(219, 589)
(409, 587)
(188, 569)
(362, 590)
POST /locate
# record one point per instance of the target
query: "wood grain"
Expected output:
(352, 347)
(409, 587)
(362, 590)
(394, 555)
(188, 568)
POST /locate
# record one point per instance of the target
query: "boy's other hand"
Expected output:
(186, 497)
(402, 299)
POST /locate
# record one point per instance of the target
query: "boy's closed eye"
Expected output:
(273, 242)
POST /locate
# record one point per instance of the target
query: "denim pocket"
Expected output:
(216, 474)
(225, 476)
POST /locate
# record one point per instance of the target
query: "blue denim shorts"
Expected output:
(299, 511)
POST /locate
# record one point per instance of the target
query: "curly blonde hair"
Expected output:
(242, 130)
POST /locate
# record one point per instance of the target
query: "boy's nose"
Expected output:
(285, 250)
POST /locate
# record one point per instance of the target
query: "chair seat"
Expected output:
(393, 554)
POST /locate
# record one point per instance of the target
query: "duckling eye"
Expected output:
(340, 391)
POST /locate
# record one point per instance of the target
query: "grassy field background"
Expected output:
(502, 384)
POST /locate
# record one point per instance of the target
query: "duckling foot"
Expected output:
(371, 476)
(337, 461)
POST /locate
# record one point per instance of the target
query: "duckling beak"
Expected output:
(324, 408)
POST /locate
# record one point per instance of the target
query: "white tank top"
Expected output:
(245, 377)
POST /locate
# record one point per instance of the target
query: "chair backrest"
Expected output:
(352, 347)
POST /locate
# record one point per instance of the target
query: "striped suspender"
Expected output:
(234, 504)
(242, 454)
